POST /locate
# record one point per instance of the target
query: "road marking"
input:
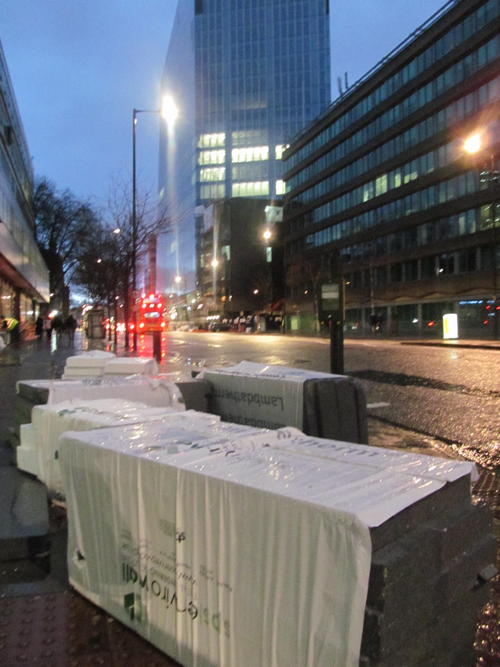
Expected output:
(372, 406)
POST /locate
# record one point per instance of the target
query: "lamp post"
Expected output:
(475, 145)
(169, 113)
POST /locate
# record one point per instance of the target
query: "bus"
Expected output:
(150, 314)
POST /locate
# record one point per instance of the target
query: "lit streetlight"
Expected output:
(473, 143)
(169, 112)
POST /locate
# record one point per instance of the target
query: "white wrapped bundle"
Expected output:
(27, 453)
(87, 364)
(216, 549)
(130, 366)
(50, 421)
(153, 391)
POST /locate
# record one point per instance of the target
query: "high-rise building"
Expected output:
(245, 77)
(398, 182)
(24, 279)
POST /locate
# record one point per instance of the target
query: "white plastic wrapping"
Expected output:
(130, 365)
(240, 394)
(156, 391)
(27, 453)
(213, 549)
(86, 364)
(50, 421)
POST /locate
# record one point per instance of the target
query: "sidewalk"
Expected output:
(42, 621)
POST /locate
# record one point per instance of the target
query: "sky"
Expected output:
(79, 67)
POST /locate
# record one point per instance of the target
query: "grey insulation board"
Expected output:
(335, 408)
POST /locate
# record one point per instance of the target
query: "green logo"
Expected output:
(133, 606)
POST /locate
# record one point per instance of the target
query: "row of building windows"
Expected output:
(244, 154)
(482, 258)
(410, 171)
(455, 112)
(243, 172)
(452, 76)
(487, 13)
(243, 189)
(438, 193)
(461, 224)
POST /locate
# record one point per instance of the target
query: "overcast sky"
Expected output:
(79, 67)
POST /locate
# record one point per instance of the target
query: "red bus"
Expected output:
(150, 314)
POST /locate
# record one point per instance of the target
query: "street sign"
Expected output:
(330, 296)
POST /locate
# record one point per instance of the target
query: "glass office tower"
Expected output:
(246, 75)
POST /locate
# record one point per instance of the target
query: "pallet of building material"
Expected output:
(319, 404)
(216, 535)
(431, 561)
(50, 421)
(155, 391)
(87, 364)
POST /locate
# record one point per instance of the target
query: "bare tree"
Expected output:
(62, 223)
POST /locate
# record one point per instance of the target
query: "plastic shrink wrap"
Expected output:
(153, 391)
(50, 421)
(130, 365)
(259, 394)
(87, 364)
(218, 548)
(320, 404)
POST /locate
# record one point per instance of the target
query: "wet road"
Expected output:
(450, 394)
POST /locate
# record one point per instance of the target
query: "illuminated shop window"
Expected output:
(212, 140)
(212, 157)
(250, 154)
(253, 189)
(212, 174)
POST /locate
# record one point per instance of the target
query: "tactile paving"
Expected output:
(65, 630)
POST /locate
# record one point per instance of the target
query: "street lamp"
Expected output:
(473, 143)
(169, 112)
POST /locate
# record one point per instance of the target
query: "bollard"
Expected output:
(157, 345)
(337, 345)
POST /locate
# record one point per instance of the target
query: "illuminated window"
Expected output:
(250, 154)
(280, 187)
(279, 151)
(212, 140)
(381, 185)
(213, 191)
(250, 171)
(269, 254)
(212, 174)
(212, 157)
(249, 138)
(253, 189)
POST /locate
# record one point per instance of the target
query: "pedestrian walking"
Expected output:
(70, 326)
(57, 324)
(47, 327)
(39, 327)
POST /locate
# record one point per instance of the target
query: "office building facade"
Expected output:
(395, 187)
(24, 279)
(246, 76)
